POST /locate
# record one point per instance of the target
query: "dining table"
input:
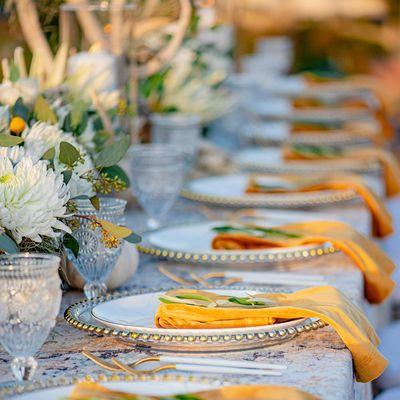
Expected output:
(317, 360)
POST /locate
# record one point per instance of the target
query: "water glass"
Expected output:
(30, 297)
(157, 178)
(96, 259)
(180, 130)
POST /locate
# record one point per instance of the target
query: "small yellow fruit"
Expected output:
(17, 125)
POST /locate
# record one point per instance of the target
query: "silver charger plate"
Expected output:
(269, 159)
(279, 132)
(281, 109)
(191, 243)
(129, 316)
(229, 191)
(146, 385)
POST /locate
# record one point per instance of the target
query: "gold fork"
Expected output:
(203, 280)
(114, 366)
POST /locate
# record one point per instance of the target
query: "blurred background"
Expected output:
(330, 37)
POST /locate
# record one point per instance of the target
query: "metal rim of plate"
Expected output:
(273, 201)
(227, 257)
(297, 167)
(194, 343)
(17, 388)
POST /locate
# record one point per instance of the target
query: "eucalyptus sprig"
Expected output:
(193, 299)
(321, 151)
(257, 231)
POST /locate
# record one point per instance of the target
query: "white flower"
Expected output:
(94, 72)
(26, 88)
(32, 199)
(14, 153)
(42, 137)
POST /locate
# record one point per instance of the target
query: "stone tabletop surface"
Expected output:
(317, 361)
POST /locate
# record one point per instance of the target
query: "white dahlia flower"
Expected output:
(42, 137)
(32, 199)
(14, 153)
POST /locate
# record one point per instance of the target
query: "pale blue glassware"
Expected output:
(95, 261)
(30, 297)
(157, 174)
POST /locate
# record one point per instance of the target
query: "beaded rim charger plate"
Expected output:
(229, 191)
(130, 316)
(146, 385)
(191, 243)
(269, 159)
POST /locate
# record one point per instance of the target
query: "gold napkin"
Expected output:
(382, 224)
(388, 162)
(323, 302)
(86, 390)
(375, 265)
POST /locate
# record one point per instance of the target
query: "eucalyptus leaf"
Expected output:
(117, 171)
(323, 151)
(43, 111)
(133, 238)
(49, 154)
(95, 202)
(20, 110)
(71, 243)
(245, 301)
(8, 245)
(9, 140)
(113, 154)
(69, 154)
(255, 231)
(193, 296)
(67, 176)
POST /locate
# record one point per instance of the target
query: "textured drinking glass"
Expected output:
(95, 260)
(157, 177)
(30, 297)
(180, 130)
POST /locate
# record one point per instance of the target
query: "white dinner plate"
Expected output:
(229, 190)
(282, 109)
(130, 316)
(269, 159)
(147, 386)
(192, 243)
(278, 132)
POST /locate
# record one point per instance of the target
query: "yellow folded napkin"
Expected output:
(375, 265)
(86, 390)
(323, 302)
(382, 224)
(388, 162)
(355, 128)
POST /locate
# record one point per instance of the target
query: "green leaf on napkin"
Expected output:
(321, 151)
(255, 231)
(245, 301)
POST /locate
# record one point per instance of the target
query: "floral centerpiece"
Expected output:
(192, 83)
(54, 149)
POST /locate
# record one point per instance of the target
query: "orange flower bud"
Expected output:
(17, 125)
